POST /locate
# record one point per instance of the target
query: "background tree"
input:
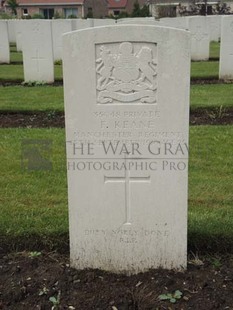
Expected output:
(140, 12)
(145, 12)
(136, 10)
(13, 6)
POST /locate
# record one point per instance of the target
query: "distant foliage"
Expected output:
(140, 12)
(89, 14)
(166, 11)
(136, 10)
(123, 14)
(5, 16)
(13, 6)
(37, 16)
(145, 11)
(221, 8)
(72, 16)
(205, 9)
(57, 15)
(27, 17)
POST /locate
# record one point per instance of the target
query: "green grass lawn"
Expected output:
(34, 203)
(13, 47)
(210, 187)
(214, 50)
(205, 70)
(208, 69)
(44, 98)
(40, 98)
(211, 95)
(15, 72)
(11, 72)
(16, 57)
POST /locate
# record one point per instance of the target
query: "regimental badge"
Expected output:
(126, 73)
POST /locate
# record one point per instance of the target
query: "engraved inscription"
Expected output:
(128, 235)
(126, 73)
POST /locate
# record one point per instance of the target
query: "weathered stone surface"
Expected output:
(19, 26)
(127, 113)
(175, 22)
(79, 24)
(11, 30)
(4, 43)
(226, 49)
(199, 38)
(37, 51)
(214, 27)
(103, 22)
(59, 27)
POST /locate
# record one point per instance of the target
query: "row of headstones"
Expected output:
(41, 41)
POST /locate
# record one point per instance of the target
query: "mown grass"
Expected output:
(199, 70)
(15, 72)
(13, 47)
(210, 188)
(44, 98)
(40, 98)
(211, 95)
(205, 70)
(214, 50)
(34, 203)
(16, 57)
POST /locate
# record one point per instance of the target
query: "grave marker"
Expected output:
(59, 27)
(127, 118)
(11, 30)
(199, 38)
(19, 26)
(4, 43)
(175, 22)
(37, 51)
(226, 49)
(214, 26)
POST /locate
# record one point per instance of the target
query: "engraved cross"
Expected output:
(37, 58)
(127, 180)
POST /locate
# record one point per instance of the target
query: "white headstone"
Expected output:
(19, 26)
(200, 43)
(103, 22)
(11, 30)
(135, 19)
(38, 51)
(59, 27)
(214, 26)
(138, 21)
(175, 22)
(4, 43)
(78, 24)
(226, 49)
(127, 119)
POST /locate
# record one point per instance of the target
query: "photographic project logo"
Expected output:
(36, 155)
